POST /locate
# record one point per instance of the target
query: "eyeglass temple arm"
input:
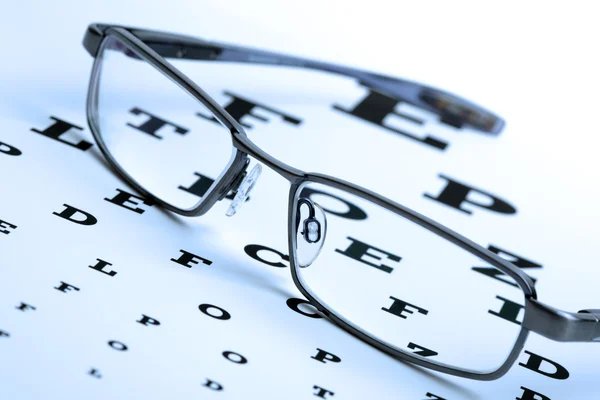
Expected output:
(562, 326)
(452, 109)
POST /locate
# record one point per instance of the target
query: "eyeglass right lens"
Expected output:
(405, 286)
(150, 127)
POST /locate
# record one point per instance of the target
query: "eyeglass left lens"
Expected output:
(148, 124)
(403, 285)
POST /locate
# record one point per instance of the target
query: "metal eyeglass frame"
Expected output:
(155, 46)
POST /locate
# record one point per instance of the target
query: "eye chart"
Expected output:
(105, 295)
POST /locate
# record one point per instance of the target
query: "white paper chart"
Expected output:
(103, 294)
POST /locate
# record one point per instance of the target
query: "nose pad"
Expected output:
(243, 190)
(311, 229)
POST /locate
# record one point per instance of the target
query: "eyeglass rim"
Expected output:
(238, 160)
(244, 147)
(523, 281)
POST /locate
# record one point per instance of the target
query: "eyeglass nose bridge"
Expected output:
(242, 186)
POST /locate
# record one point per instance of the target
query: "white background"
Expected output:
(536, 64)
(533, 63)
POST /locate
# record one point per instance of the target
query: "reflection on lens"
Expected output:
(408, 287)
(149, 125)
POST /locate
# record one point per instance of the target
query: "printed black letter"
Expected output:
(60, 127)
(201, 186)
(69, 212)
(186, 259)
(358, 249)
(325, 356)
(221, 313)
(510, 310)
(377, 107)
(95, 373)
(518, 261)
(253, 249)
(529, 394)
(433, 396)
(9, 150)
(100, 267)
(213, 385)
(399, 306)
(421, 351)
(117, 345)
(322, 392)
(5, 226)
(124, 198)
(534, 363)
(351, 212)
(294, 304)
(240, 107)
(25, 307)
(235, 357)
(455, 194)
(64, 287)
(146, 320)
(153, 124)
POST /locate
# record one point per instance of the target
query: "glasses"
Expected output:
(393, 278)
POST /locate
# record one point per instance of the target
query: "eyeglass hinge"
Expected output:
(559, 325)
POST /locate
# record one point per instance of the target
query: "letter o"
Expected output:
(235, 357)
(353, 212)
(117, 345)
(9, 150)
(222, 314)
